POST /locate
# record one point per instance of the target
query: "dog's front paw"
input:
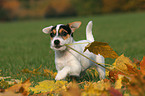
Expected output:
(59, 77)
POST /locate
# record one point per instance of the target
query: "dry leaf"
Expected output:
(136, 84)
(113, 75)
(99, 88)
(35, 71)
(136, 61)
(114, 92)
(72, 90)
(132, 70)
(134, 88)
(17, 89)
(49, 73)
(121, 61)
(101, 48)
(10, 93)
(48, 86)
(118, 83)
(142, 66)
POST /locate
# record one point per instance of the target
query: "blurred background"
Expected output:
(37, 9)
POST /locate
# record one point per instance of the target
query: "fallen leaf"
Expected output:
(114, 92)
(17, 89)
(48, 86)
(113, 75)
(134, 88)
(99, 88)
(118, 83)
(49, 73)
(132, 70)
(137, 62)
(10, 93)
(72, 90)
(121, 61)
(142, 66)
(101, 48)
(34, 72)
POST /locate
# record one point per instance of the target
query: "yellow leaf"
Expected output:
(107, 73)
(48, 86)
(99, 88)
(101, 48)
(118, 83)
(126, 94)
(121, 62)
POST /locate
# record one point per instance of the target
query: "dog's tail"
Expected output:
(89, 34)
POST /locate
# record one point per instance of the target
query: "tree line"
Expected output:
(25, 9)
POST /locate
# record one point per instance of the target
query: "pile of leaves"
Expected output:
(123, 78)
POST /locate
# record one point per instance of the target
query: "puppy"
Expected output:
(67, 61)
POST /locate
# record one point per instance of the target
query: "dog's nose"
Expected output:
(56, 42)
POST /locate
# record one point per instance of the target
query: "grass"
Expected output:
(23, 45)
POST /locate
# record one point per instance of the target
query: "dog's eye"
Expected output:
(52, 34)
(63, 33)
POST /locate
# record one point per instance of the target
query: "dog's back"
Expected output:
(98, 58)
(85, 63)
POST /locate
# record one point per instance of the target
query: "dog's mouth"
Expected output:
(57, 46)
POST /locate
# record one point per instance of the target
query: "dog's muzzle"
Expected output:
(57, 44)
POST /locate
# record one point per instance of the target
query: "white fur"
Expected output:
(47, 29)
(68, 62)
(57, 28)
(89, 35)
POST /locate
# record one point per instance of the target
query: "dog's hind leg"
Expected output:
(61, 75)
(101, 70)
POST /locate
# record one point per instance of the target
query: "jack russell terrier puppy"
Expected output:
(67, 61)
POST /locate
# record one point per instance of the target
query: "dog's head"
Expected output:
(61, 34)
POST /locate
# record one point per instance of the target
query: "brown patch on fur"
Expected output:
(65, 37)
(54, 31)
(63, 30)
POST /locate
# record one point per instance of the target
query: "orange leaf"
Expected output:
(10, 93)
(132, 70)
(73, 90)
(142, 66)
(20, 88)
(113, 75)
(115, 92)
(101, 48)
(136, 61)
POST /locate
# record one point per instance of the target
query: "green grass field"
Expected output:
(24, 45)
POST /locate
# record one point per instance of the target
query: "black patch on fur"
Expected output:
(54, 27)
(67, 28)
(52, 34)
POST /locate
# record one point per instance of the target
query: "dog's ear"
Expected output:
(74, 25)
(47, 29)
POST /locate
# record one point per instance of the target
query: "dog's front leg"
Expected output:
(101, 70)
(62, 73)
